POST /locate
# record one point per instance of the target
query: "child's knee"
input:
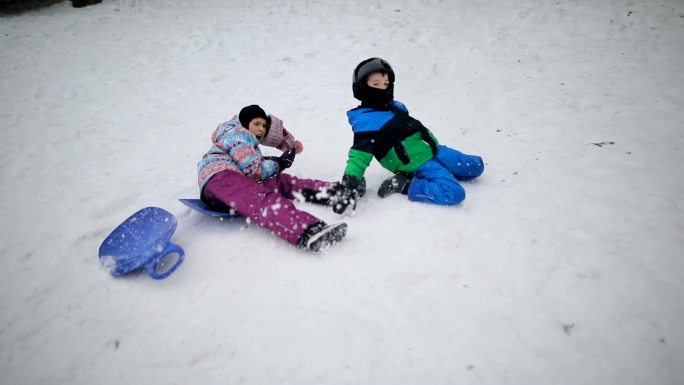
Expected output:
(474, 167)
(452, 195)
(446, 194)
(477, 166)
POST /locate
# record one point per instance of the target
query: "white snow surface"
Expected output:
(563, 265)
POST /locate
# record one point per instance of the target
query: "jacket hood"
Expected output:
(228, 128)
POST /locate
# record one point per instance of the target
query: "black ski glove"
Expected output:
(346, 193)
(285, 160)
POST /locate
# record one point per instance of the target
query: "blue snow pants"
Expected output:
(436, 181)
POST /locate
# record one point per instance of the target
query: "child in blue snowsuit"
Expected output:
(383, 129)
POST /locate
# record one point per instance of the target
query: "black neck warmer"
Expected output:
(377, 98)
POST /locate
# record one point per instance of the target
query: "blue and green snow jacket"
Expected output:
(399, 142)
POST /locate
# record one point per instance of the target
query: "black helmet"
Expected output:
(364, 69)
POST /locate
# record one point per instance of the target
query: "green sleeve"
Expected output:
(358, 162)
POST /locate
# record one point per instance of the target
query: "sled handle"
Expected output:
(166, 262)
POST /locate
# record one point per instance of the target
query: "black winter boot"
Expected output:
(396, 183)
(332, 194)
(320, 236)
(319, 197)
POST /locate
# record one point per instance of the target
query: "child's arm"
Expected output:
(244, 150)
(279, 137)
(357, 163)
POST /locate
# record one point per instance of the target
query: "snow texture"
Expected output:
(562, 266)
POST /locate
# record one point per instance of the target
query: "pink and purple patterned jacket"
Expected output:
(237, 149)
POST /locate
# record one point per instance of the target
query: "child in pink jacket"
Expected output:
(234, 175)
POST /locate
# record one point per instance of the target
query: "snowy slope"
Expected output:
(563, 265)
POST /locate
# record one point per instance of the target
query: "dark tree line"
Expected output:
(13, 7)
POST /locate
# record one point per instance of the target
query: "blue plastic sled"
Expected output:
(142, 242)
(198, 205)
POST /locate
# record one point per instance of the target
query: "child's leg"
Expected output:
(432, 183)
(287, 184)
(262, 205)
(462, 166)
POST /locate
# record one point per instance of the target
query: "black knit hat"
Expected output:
(250, 112)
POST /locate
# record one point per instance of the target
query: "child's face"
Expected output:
(378, 80)
(258, 127)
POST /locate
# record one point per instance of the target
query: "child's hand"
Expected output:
(346, 193)
(286, 159)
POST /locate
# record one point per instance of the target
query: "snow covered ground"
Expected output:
(563, 266)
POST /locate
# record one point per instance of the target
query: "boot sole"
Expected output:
(393, 185)
(327, 237)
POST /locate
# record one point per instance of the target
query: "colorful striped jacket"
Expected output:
(236, 149)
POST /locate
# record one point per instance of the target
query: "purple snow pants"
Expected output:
(266, 203)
